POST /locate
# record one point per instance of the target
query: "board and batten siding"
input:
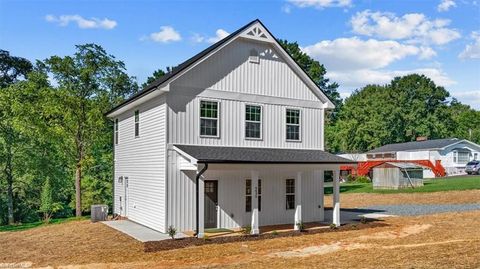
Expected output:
(184, 125)
(230, 70)
(231, 195)
(143, 160)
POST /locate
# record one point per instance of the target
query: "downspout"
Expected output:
(197, 191)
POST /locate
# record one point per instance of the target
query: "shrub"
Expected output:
(363, 220)
(362, 179)
(350, 178)
(274, 232)
(47, 206)
(301, 226)
(172, 231)
(333, 226)
(247, 230)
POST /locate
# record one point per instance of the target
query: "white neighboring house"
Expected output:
(232, 137)
(453, 154)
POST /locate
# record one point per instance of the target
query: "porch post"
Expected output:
(298, 201)
(254, 224)
(201, 208)
(336, 198)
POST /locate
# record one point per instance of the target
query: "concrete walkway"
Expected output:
(138, 232)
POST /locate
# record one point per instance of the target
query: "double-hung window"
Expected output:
(116, 131)
(253, 122)
(463, 157)
(137, 123)
(293, 124)
(209, 118)
(290, 193)
(249, 193)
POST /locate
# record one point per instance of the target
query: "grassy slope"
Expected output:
(440, 184)
(26, 226)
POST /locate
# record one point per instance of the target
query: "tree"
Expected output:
(47, 204)
(156, 75)
(466, 121)
(12, 68)
(89, 83)
(408, 107)
(315, 70)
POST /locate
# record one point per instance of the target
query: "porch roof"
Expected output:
(219, 154)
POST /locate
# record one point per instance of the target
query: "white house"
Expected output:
(232, 137)
(451, 154)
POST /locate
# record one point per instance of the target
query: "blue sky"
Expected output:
(359, 42)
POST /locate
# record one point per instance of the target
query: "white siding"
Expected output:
(183, 128)
(231, 195)
(230, 70)
(142, 160)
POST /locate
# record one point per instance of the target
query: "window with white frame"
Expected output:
(290, 193)
(137, 123)
(209, 118)
(116, 131)
(463, 157)
(253, 122)
(293, 124)
(249, 193)
(475, 156)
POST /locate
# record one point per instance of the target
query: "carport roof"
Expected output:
(218, 154)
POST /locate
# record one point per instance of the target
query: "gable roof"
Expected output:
(417, 145)
(216, 154)
(183, 66)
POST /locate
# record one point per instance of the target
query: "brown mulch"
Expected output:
(163, 245)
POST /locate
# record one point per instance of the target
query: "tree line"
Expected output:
(56, 143)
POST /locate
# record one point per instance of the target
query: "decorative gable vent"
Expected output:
(257, 32)
(254, 58)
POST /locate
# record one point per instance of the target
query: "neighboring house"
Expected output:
(444, 157)
(232, 137)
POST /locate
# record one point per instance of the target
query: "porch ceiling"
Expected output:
(216, 154)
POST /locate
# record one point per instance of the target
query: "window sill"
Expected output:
(209, 136)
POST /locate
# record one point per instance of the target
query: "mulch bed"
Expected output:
(153, 246)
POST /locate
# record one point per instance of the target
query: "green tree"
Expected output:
(47, 204)
(466, 121)
(156, 75)
(315, 70)
(12, 68)
(89, 83)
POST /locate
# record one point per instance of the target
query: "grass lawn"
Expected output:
(26, 226)
(438, 184)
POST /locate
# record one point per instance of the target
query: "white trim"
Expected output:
(300, 124)
(219, 115)
(245, 121)
(186, 155)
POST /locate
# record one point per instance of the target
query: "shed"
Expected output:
(397, 175)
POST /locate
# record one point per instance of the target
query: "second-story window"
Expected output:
(293, 124)
(209, 118)
(253, 122)
(116, 131)
(137, 123)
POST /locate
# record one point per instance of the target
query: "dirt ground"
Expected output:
(352, 200)
(449, 240)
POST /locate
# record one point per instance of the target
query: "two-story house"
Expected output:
(232, 137)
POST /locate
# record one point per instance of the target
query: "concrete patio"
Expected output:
(139, 232)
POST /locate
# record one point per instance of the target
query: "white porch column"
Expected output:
(201, 207)
(254, 224)
(298, 201)
(336, 198)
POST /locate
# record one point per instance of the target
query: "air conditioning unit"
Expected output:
(99, 213)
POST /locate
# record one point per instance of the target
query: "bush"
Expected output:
(247, 230)
(362, 179)
(301, 226)
(333, 226)
(350, 178)
(274, 232)
(172, 231)
(363, 220)
(47, 206)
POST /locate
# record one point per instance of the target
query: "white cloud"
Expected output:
(287, 9)
(472, 50)
(81, 22)
(413, 27)
(320, 4)
(219, 35)
(471, 98)
(166, 35)
(354, 53)
(445, 5)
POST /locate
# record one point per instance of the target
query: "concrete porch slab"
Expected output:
(138, 231)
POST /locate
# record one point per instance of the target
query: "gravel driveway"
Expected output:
(420, 209)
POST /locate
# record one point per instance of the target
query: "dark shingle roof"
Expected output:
(416, 145)
(215, 154)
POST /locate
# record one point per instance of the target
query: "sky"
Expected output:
(359, 42)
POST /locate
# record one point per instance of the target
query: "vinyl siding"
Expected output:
(142, 160)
